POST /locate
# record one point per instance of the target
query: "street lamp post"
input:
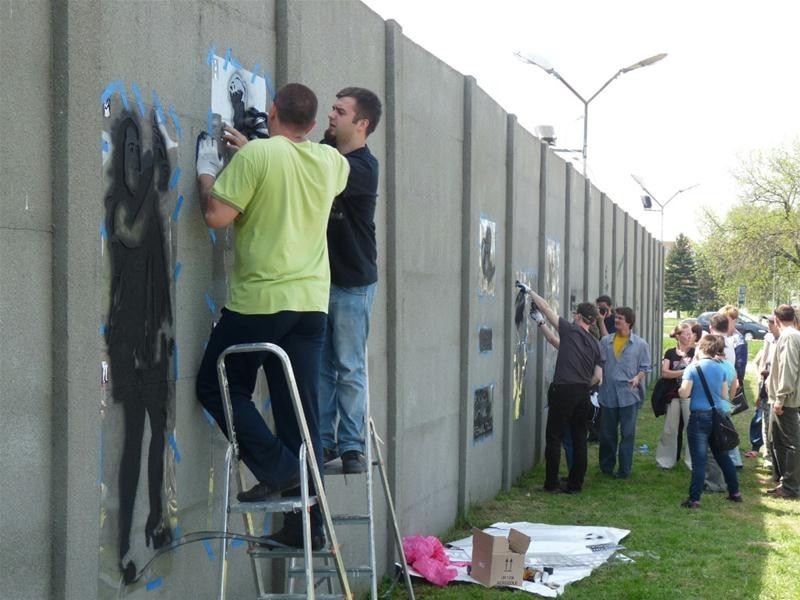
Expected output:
(649, 198)
(550, 70)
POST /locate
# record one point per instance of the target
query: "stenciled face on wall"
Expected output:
(132, 156)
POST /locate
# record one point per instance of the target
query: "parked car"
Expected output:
(749, 328)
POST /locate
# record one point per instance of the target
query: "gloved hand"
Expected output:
(208, 159)
(536, 314)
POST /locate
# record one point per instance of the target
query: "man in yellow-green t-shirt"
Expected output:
(277, 193)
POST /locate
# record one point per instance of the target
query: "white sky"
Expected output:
(729, 84)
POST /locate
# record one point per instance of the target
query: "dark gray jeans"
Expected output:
(785, 436)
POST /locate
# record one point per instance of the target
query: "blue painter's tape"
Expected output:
(103, 230)
(227, 59)
(159, 109)
(209, 418)
(154, 584)
(175, 362)
(269, 85)
(176, 121)
(267, 523)
(212, 306)
(104, 146)
(237, 543)
(177, 272)
(209, 551)
(138, 96)
(267, 402)
(123, 94)
(255, 73)
(177, 532)
(236, 64)
(213, 235)
(176, 176)
(103, 329)
(177, 212)
(108, 92)
(174, 444)
(211, 53)
(210, 120)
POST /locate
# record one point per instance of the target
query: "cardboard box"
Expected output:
(498, 560)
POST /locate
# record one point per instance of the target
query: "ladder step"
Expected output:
(327, 572)
(335, 468)
(261, 552)
(272, 504)
(300, 596)
(349, 519)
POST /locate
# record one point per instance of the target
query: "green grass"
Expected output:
(722, 550)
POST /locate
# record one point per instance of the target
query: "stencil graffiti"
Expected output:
(139, 333)
(522, 350)
(483, 421)
(484, 339)
(487, 257)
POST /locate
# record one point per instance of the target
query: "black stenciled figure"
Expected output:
(139, 326)
(237, 94)
(487, 260)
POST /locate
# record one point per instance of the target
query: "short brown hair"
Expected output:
(730, 311)
(587, 311)
(626, 313)
(368, 105)
(785, 314)
(712, 345)
(297, 105)
(719, 323)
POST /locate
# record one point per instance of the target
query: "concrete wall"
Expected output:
(461, 419)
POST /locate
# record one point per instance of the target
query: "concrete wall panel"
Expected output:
(607, 247)
(576, 217)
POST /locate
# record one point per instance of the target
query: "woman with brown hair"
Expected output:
(675, 361)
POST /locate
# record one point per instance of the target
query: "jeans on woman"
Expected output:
(698, 433)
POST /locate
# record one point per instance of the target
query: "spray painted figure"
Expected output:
(139, 334)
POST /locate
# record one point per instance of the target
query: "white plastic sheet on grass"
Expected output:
(572, 551)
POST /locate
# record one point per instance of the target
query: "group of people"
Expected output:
(597, 351)
(304, 278)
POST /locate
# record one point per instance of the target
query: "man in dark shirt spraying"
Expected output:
(579, 365)
(352, 250)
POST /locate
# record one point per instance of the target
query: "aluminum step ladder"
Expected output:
(276, 503)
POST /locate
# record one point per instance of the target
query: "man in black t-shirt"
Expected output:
(352, 250)
(579, 365)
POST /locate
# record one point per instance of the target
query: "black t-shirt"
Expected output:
(352, 248)
(678, 363)
(578, 354)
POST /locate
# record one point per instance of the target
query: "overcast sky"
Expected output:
(729, 84)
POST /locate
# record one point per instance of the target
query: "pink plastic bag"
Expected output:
(427, 557)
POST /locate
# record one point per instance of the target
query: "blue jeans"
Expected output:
(698, 433)
(617, 448)
(343, 379)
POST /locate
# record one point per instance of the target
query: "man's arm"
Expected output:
(543, 306)
(216, 214)
(789, 370)
(601, 324)
(550, 335)
(597, 376)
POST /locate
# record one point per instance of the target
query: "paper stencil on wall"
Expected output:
(483, 421)
(523, 347)
(553, 274)
(237, 97)
(487, 257)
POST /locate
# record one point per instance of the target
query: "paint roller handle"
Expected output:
(522, 286)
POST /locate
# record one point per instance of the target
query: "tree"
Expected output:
(680, 277)
(707, 296)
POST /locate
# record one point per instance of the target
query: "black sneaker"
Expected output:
(354, 462)
(261, 491)
(292, 537)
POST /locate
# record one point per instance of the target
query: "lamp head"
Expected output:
(647, 202)
(644, 63)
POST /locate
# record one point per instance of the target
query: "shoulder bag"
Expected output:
(723, 433)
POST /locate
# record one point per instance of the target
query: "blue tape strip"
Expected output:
(177, 212)
(174, 445)
(175, 362)
(177, 272)
(255, 72)
(177, 532)
(267, 523)
(107, 93)
(175, 121)
(176, 177)
(210, 120)
(211, 53)
(227, 59)
(267, 402)
(209, 418)
(236, 64)
(209, 551)
(138, 96)
(269, 85)
(104, 146)
(123, 94)
(237, 543)
(159, 109)
(154, 584)
(103, 230)
(103, 329)
(212, 306)
(213, 235)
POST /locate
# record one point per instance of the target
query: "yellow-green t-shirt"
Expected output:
(619, 343)
(284, 191)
